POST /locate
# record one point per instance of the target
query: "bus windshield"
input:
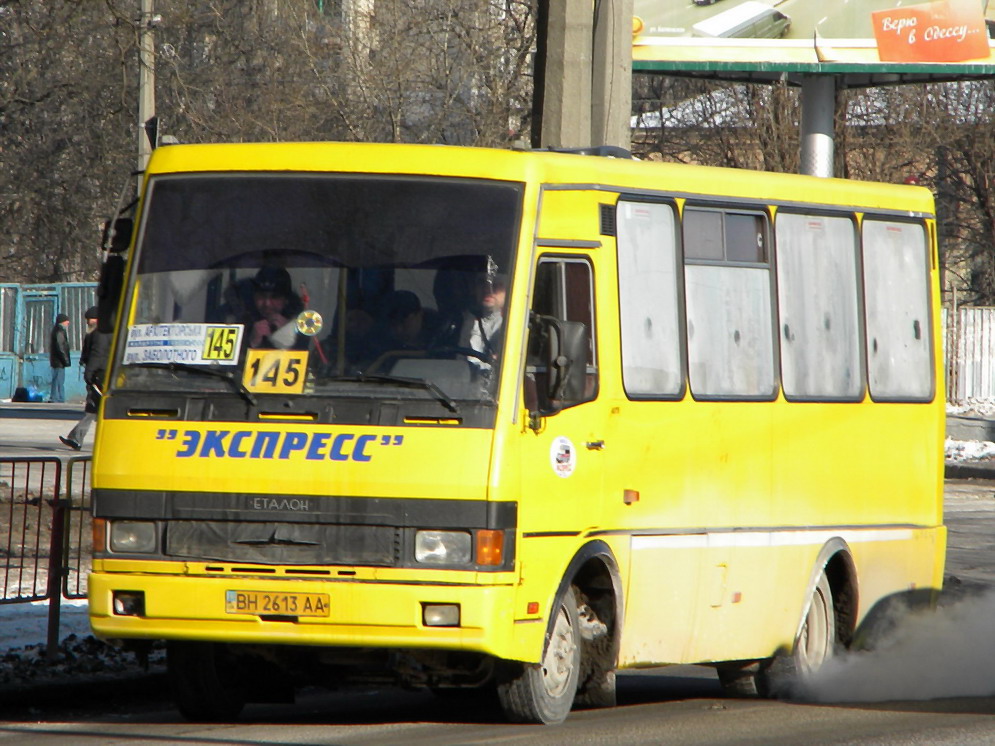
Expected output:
(321, 284)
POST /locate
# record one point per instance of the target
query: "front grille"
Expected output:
(283, 543)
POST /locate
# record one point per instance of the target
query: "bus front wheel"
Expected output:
(544, 693)
(204, 687)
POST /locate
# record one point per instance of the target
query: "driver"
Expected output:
(482, 322)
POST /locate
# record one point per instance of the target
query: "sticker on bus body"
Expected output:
(192, 344)
(562, 456)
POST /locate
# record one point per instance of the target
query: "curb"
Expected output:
(969, 471)
(41, 411)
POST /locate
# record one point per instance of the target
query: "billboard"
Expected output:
(802, 32)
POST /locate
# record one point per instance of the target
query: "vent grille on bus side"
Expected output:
(607, 220)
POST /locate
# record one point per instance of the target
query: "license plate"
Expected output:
(284, 604)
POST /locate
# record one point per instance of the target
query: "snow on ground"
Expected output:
(23, 637)
(968, 450)
(23, 624)
(960, 451)
(973, 408)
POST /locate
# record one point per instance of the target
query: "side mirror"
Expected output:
(115, 242)
(564, 351)
(109, 292)
(117, 235)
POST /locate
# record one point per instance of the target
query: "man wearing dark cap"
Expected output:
(96, 349)
(277, 306)
(58, 357)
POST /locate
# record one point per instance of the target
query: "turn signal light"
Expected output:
(490, 547)
(99, 534)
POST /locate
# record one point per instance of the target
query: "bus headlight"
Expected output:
(129, 537)
(442, 547)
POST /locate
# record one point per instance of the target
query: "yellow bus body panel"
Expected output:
(717, 514)
(394, 467)
(370, 613)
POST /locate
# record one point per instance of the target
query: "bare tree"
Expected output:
(63, 129)
(938, 136)
(717, 124)
(439, 71)
(436, 71)
(964, 178)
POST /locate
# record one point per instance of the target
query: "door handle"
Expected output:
(595, 445)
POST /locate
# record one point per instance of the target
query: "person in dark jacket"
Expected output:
(96, 349)
(277, 307)
(58, 357)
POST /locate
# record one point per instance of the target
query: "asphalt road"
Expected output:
(31, 430)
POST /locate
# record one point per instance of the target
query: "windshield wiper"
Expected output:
(424, 383)
(236, 385)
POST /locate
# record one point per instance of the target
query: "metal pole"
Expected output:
(146, 81)
(56, 566)
(818, 112)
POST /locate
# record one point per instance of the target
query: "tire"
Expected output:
(782, 675)
(204, 687)
(738, 680)
(544, 693)
(815, 644)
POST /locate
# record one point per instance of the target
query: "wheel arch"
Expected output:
(594, 572)
(836, 560)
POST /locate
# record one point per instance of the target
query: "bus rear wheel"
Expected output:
(782, 675)
(544, 693)
(814, 646)
(204, 687)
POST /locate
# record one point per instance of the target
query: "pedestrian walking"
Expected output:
(58, 357)
(96, 346)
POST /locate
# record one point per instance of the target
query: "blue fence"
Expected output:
(27, 314)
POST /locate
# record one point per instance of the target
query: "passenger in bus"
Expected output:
(453, 296)
(277, 307)
(359, 325)
(399, 328)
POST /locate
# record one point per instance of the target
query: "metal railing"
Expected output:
(45, 533)
(970, 354)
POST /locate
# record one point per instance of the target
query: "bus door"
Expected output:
(563, 458)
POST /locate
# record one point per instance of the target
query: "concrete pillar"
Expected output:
(566, 116)
(611, 96)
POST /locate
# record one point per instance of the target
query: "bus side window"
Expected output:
(729, 308)
(896, 303)
(563, 291)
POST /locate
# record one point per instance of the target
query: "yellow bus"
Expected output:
(467, 418)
